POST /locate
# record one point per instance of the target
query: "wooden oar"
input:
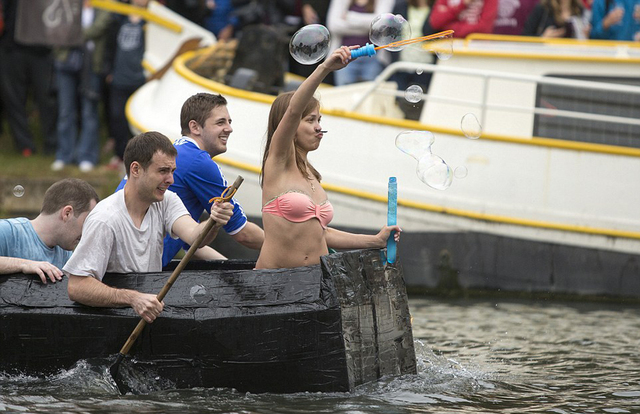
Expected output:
(114, 369)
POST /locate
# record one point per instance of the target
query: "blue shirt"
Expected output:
(624, 30)
(197, 179)
(19, 239)
(221, 16)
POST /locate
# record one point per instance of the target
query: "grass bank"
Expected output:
(35, 176)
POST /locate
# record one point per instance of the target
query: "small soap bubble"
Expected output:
(419, 71)
(470, 126)
(434, 172)
(460, 171)
(413, 94)
(18, 190)
(388, 28)
(415, 143)
(198, 293)
(310, 44)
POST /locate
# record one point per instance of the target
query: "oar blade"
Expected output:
(114, 370)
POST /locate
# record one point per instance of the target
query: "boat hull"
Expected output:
(320, 328)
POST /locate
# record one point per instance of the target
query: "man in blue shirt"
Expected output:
(206, 126)
(43, 245)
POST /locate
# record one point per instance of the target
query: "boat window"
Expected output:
(569, 98)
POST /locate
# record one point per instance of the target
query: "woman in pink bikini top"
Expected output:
(295, 210)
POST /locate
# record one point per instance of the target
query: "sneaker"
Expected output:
(86, 166)
(57, 165)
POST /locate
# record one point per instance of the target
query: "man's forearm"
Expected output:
(251, 236)
(92, 292)
(10, 265)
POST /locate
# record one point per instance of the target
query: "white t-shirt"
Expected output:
(112, 243)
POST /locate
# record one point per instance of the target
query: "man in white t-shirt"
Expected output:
(124, 232)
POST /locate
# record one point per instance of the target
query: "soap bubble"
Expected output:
(470, 126)
(388, 28)
(18, 190)
(434, 172)
(415, 143)
(310, 44)
(413, 94)
(198, 293)
(460, 171)
(443, 47)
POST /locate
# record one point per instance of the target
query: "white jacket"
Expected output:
(342, 22)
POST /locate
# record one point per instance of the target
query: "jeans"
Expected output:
(360, 70)
(119, 123)
(22, 69)
(71, 150)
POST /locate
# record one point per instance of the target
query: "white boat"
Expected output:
(549, 203)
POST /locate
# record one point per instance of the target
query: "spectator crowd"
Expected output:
(82, 80)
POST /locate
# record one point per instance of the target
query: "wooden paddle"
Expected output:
(114, 369)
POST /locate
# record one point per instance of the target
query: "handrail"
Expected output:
(489, 74)
(121, 8)
(544, 40)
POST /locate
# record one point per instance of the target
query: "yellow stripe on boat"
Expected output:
(121, 8)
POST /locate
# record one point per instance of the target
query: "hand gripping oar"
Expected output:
(392, 210)
(370, 50)
(226, 196)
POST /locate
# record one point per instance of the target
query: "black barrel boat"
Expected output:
(323, 328)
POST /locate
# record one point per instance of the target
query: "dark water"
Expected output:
(473, 357)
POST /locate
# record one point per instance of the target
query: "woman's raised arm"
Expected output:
(281, 145)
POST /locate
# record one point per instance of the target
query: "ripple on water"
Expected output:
(473, 356)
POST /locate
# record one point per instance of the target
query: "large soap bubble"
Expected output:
(415, 143)
(432, 169)
(310, 44)
(388, 28)
(434, 172)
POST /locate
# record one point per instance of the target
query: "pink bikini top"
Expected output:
(298, 207)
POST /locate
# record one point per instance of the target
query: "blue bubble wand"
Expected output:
(370, 50)
(392, 218)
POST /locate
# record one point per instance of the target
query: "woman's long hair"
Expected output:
(278, 109)
(555, 7)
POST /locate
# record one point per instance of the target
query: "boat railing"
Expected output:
(530, 100)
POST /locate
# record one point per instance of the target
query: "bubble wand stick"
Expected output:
(370, 50)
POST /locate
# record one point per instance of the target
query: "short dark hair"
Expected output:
(198, 107)
(142, 147)
(72, 192)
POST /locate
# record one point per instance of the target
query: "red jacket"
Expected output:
(477, 17)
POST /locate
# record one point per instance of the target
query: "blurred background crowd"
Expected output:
(79, 90)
